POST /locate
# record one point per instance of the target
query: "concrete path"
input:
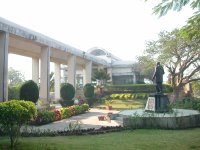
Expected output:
(86, 121)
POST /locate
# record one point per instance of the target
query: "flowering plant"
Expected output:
(79, 101)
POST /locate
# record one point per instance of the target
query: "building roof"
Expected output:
(110, 58)
(39, 38)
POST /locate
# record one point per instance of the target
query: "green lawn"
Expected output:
(126, 104)
(140, 139)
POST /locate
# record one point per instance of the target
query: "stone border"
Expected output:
(172, 122)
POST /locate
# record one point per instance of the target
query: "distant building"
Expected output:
(121, 72)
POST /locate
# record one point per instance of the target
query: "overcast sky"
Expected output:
(120, 26)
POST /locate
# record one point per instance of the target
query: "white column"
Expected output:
(35, 70)
(44, 74)
(57, 80)
(71, 72)
(4, 40)
(87, 73)
(109, 71)
(134, 77)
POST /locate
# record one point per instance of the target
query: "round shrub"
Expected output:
(67, 93)
(29, 91)
(88, 90)
(89, 93)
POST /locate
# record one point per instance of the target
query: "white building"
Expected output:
(121, 72)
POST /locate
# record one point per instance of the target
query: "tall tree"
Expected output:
(180, 55)
(165, 5)
(15, 77)
(145, 66)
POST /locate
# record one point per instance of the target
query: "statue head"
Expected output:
(158, 64)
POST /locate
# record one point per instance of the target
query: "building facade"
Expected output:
(121, 72)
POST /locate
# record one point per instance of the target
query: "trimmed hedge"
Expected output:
(29, 91)
(67, 92)
(126, 96)
(88, 90)
(45, 117)
(137, 88)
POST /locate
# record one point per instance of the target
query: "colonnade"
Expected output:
(41, 77)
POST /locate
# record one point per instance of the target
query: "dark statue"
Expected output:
(158, 76)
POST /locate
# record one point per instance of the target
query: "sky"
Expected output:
(122, 27)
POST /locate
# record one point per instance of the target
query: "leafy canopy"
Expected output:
(164, 6)
(102, 75)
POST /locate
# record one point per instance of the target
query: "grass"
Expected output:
(140, 139)
(126, 104)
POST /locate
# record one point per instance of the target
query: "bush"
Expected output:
(85, 107)
(67, 93)
(137, 88)
(13, 92)
(29, 91)
(13, 114)
(45, 117)
(57, 114)
(65, 113)
(89, 93)
(187, 103)
(88, 90)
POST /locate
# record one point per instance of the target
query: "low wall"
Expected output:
(180, 122)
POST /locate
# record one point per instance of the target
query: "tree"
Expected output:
(180, 55)
(165, 5)
(145, 66)
(101, 75)
(196, 88)
(15, 77)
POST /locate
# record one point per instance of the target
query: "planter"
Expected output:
(102, 118)
(109, 107)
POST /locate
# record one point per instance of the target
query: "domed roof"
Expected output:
(102, 53)
(97, 51)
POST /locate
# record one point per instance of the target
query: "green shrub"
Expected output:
(89, 93)
(85, 107)
(88, 90)
(13, 114)
(137, 88)
(78, 109)
(65, 113)
(187, 103)
(29, 91)
(67, 93)
(13, 92)
(44, 117)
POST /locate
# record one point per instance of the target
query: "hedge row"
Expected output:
(45, 117)
(129, 96)
(137, 88)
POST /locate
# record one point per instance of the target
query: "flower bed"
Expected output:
(45, 117)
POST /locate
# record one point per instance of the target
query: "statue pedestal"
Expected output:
(157, 103)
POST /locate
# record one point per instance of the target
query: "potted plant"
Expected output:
(108, 104)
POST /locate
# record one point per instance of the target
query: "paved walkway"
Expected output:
(86, 121)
